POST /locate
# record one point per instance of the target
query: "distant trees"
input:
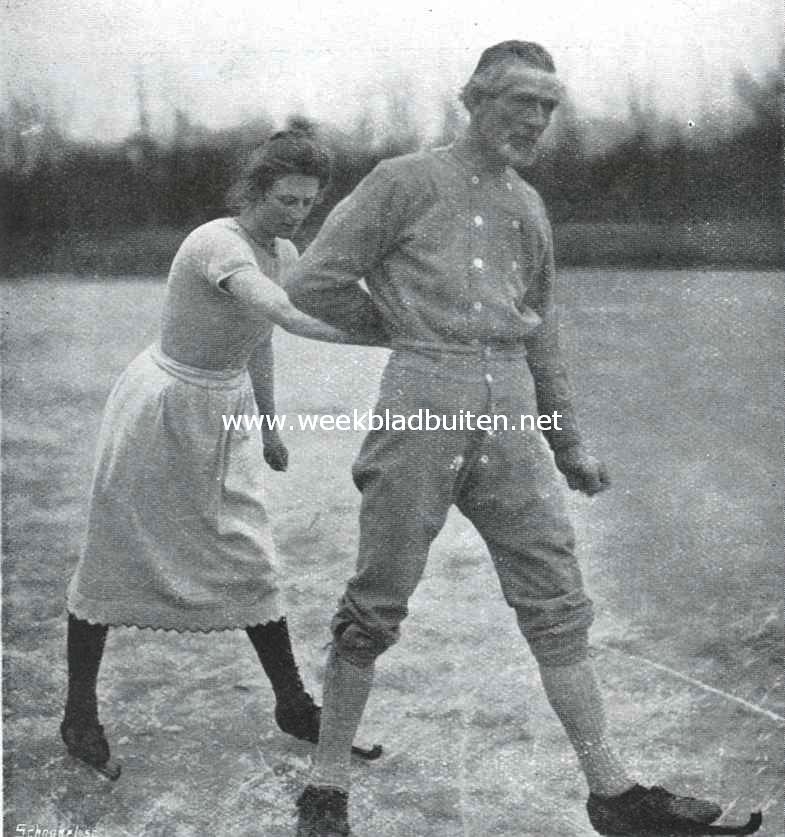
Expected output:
(656, 170)
(642, 167)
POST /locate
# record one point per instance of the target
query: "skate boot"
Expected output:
(656, 812)
(86, 741)
(323, 812)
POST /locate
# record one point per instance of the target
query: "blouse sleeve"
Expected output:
(226, 254)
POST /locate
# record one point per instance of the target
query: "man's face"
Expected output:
(285, 205)
(510, 123)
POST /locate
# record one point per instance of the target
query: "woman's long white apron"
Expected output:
(178, 536)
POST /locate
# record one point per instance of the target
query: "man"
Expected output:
(457, 254)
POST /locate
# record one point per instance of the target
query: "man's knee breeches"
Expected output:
(542, 582)
(361, 640)
(505, 483)
(558, 630)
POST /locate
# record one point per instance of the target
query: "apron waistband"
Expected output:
(219, 378)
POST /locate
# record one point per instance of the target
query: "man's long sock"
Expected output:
(575, 697)
(346, 690)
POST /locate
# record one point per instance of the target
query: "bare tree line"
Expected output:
(641, 168)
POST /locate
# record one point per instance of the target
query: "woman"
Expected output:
(177, 534)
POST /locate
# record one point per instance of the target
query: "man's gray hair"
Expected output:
(494, 62)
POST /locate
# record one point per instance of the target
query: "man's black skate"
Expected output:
(300, 716)
(87, 742)
(655, 812)
(323, 812)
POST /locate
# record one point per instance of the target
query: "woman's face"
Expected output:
(285, 205)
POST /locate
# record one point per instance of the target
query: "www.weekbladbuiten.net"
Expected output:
(366, 420)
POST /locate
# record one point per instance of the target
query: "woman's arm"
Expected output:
(264, 299)
(261, 368)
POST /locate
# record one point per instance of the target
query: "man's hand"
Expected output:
(276, 454)
(583, 472)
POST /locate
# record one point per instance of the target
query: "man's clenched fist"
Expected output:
(583, 472)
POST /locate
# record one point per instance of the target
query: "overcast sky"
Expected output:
(223, 61)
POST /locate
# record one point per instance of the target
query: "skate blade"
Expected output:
(111, 770)
(750, 827)
(368, 753)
